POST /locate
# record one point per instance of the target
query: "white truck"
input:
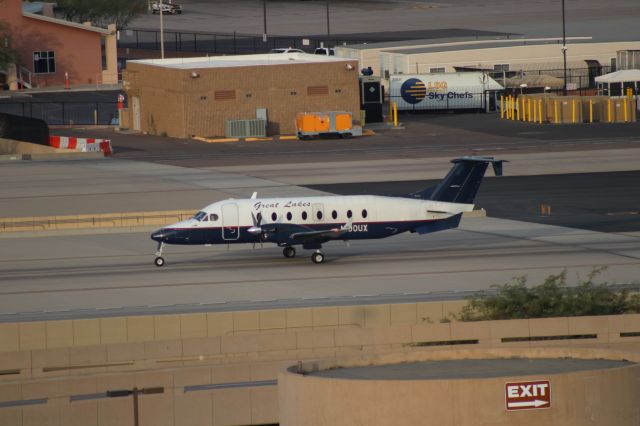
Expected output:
(444, 91)
(167, 8)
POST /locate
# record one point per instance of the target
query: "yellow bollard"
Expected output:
(513, 105)
(540, 110)
(529, 109)
(524, 110)
(518, 109)
(626, 112)
(501, 106)
(609, 110)
(573, 110)
(395, 114)
(555, 111)
(590, 110)
(535, 112)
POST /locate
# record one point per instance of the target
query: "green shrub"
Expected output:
(552, 298)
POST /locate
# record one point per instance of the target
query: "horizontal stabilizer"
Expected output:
(440, 225)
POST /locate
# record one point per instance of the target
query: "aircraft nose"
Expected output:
(162, 235)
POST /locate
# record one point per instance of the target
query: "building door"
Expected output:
(230, 225)
(135, 106)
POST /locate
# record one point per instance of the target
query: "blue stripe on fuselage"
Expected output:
(361, 231)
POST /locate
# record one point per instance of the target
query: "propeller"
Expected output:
(256, 229)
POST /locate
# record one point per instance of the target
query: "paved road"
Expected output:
(80, 276)
(435, 135)
(611, 20)
(604, 202)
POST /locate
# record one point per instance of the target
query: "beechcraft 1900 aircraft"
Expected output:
(312, 221)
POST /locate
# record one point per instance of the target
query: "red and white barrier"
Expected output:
(82, 144)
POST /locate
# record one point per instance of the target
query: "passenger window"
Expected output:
(334, 214)
(349, 214)
(319, 215)
(213, 217)
(304, 215)
(274, 216)
(289, 216)
(364, 213)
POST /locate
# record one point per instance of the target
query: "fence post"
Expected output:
(63, 114)
(195, 42)
(234, 43)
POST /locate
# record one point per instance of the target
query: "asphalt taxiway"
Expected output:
(113, 274)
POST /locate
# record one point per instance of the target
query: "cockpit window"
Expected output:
(213, 217)
(199, 216)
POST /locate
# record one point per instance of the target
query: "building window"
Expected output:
(338, 91)
(44, 62)
(317, 90)
(224, 95)
(436, 70)
(293, 93)
(501, 67)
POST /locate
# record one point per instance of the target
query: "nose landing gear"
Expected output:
(159, 261)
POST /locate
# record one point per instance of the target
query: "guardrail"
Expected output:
(107, 220)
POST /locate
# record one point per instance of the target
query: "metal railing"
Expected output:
(64, 112)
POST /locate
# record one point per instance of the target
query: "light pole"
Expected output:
(135, 391)
(162, 31)
(264, 20)
(564, 52)
(328, 26)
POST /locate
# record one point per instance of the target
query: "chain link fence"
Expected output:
(65, 113)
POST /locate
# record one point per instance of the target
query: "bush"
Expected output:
(552, 298)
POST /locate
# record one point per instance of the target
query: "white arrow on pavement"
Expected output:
(536, 403)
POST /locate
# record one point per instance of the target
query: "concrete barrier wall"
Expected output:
(59, 359)
(88, 221)
(596, 397)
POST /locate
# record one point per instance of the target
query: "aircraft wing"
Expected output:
(322, 235)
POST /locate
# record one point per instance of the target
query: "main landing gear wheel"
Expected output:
(289, 252)
(317, 257)
(159, 261)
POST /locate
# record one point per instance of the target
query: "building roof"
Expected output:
(485, 44)
(66, 23)
(457, 43)
(619, 76)
(240, 61)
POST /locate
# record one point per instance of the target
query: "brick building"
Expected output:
(187, 97)
(49, 48)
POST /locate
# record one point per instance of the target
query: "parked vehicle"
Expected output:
(286, 50)
(327, 51)
(169, 8)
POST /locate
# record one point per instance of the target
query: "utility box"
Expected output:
(338, 123)
(254, 128)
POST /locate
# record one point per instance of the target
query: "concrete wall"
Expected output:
(57, 360)
(176, 104)
(597, 397)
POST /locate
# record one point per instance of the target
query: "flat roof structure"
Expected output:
(470, 368)
(239, 61)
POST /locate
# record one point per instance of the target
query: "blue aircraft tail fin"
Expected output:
(462, 182)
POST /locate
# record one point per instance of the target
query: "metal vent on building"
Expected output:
(254, 128)
(224, 95)
(317, 90)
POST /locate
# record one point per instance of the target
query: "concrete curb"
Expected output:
(52, 157)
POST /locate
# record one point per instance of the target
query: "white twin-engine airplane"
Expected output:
(312, 221)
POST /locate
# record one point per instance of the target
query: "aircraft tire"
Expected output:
(289, 252)
(317, 257)
(159, 261)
